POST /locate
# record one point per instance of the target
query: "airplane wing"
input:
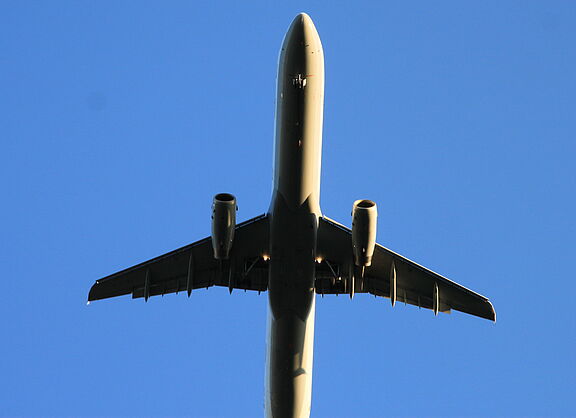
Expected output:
(193, 266)
(391, 276)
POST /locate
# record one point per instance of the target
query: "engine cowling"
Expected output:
(223, 224)
(364, 221)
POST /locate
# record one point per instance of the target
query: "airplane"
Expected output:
(293, 251)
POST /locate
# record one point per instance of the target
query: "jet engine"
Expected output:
(223, 223)
(364, 214)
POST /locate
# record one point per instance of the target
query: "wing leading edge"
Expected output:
(391, 276)
(193, 266)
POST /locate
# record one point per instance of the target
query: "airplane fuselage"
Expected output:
(294, 213)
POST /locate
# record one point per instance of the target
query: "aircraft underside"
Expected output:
(293, 251)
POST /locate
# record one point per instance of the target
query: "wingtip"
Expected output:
(91, 293)
(493, 317)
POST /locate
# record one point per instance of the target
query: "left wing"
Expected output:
(391, 276)
(193, 266)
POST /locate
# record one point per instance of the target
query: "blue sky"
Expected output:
(120, 121)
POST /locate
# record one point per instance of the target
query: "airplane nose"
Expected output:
(302, 20)
(302, 32)
(301, 55)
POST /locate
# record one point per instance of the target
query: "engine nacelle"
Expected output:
(364, 214)
(223, 224)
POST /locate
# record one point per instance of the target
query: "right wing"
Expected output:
(390, 276)
(193, 266)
